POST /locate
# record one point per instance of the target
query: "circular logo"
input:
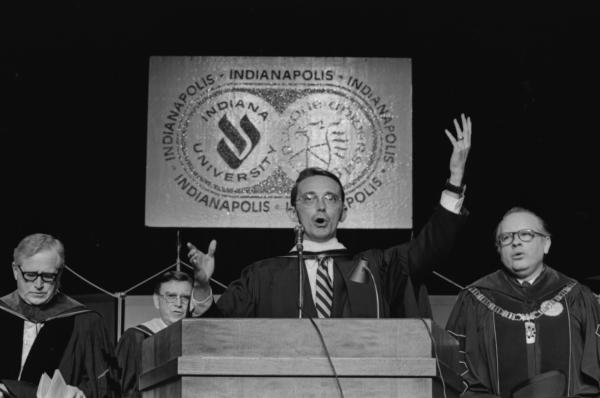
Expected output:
(249, 142)
(551, 308)
(224, 141)
(333, 131)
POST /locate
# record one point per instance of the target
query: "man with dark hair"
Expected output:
(270, 288)
(527, 330)
(44, 330)
(172, 299)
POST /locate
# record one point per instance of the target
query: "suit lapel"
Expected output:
(284, 293)
(350, 299)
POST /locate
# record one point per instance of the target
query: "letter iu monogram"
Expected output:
(240, 151)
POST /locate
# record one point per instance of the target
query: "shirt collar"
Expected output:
(532, 278)
(331, 244)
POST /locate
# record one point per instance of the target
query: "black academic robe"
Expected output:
(495, 356)
(73, 339)
(269, 288)
(129, 357)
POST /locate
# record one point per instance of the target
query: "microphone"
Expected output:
(360, 274)
(299, 231)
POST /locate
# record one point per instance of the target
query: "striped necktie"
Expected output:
(324, 288)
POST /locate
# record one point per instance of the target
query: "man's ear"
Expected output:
(344, 214)
(15, 271)
(293, 214)
(547, 245)
(155, 298)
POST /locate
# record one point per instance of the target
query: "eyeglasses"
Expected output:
(525, 235)
(171, 298)
(30, 276)
(311, 198)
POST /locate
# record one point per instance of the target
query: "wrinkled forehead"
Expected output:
(521, 220)
(319, 184)
(42, 261)
(177, 287)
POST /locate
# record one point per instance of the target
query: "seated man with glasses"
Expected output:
(527, 330)
(274, 288)
(172, 300)
(44, 330)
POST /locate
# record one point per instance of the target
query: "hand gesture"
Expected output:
(204, 263)
(461, 144)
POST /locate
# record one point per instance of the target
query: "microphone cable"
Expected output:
(450, 281)
(337, 380)
(437, 359)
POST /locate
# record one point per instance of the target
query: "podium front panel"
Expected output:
(285, 357)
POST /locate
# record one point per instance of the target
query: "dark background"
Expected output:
(74, 114)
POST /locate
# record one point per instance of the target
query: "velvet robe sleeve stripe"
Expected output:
(477, 358)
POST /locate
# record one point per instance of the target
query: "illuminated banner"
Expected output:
(227, 137)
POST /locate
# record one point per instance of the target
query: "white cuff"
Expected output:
(451, 203)
(197, 308)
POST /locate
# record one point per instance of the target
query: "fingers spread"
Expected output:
(450, 137)
(457, 128)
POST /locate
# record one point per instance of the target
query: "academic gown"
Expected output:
(73, 339)
(499, 355)
(269, 288)
(129, 357)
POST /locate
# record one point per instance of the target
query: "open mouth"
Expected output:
(518, 256)
(320, 221)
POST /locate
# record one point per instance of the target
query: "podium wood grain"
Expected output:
(284, 357)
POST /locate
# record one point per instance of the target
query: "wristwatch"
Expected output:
(456, 189)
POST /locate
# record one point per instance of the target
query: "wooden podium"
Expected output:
(285, 358)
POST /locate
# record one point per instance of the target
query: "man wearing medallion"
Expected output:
(271, 287)
(527, 330)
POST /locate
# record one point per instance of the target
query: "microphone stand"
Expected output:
(376, 291)
(299, 248)
(358, 276)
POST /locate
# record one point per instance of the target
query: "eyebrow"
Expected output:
(326, 192)
(39, 272)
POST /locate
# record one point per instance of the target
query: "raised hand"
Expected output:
(204, 264)
(461, 144)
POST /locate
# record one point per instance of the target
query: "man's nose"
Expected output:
(321, 203)
(38, 283)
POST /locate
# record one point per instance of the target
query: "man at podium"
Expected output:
(327, 287)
